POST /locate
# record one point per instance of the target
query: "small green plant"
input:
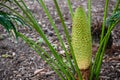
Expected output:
(68, 68)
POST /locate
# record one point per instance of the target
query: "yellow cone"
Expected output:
(81, 39)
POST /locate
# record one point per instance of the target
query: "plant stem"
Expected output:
(116, 6)
(57, 32)
(104, 42)
(104, 19)
(65, 28)
(68, 38)
(70, 8)
(33, 44)
(89, 12)
(101, 50)
(41, 33)
(98, 54)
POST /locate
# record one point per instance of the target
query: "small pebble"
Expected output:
(1, 37)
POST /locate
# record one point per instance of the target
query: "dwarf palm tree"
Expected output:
(79, 66)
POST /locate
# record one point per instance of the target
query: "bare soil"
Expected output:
(19, 62)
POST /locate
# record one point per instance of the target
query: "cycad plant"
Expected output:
(77, 65)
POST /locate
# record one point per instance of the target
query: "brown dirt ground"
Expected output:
(22, 62)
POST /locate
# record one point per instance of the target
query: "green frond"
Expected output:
(7, 21)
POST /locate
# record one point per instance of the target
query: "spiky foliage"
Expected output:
(7, 21)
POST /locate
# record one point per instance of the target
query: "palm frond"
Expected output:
(113, 19)
(7, 21)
